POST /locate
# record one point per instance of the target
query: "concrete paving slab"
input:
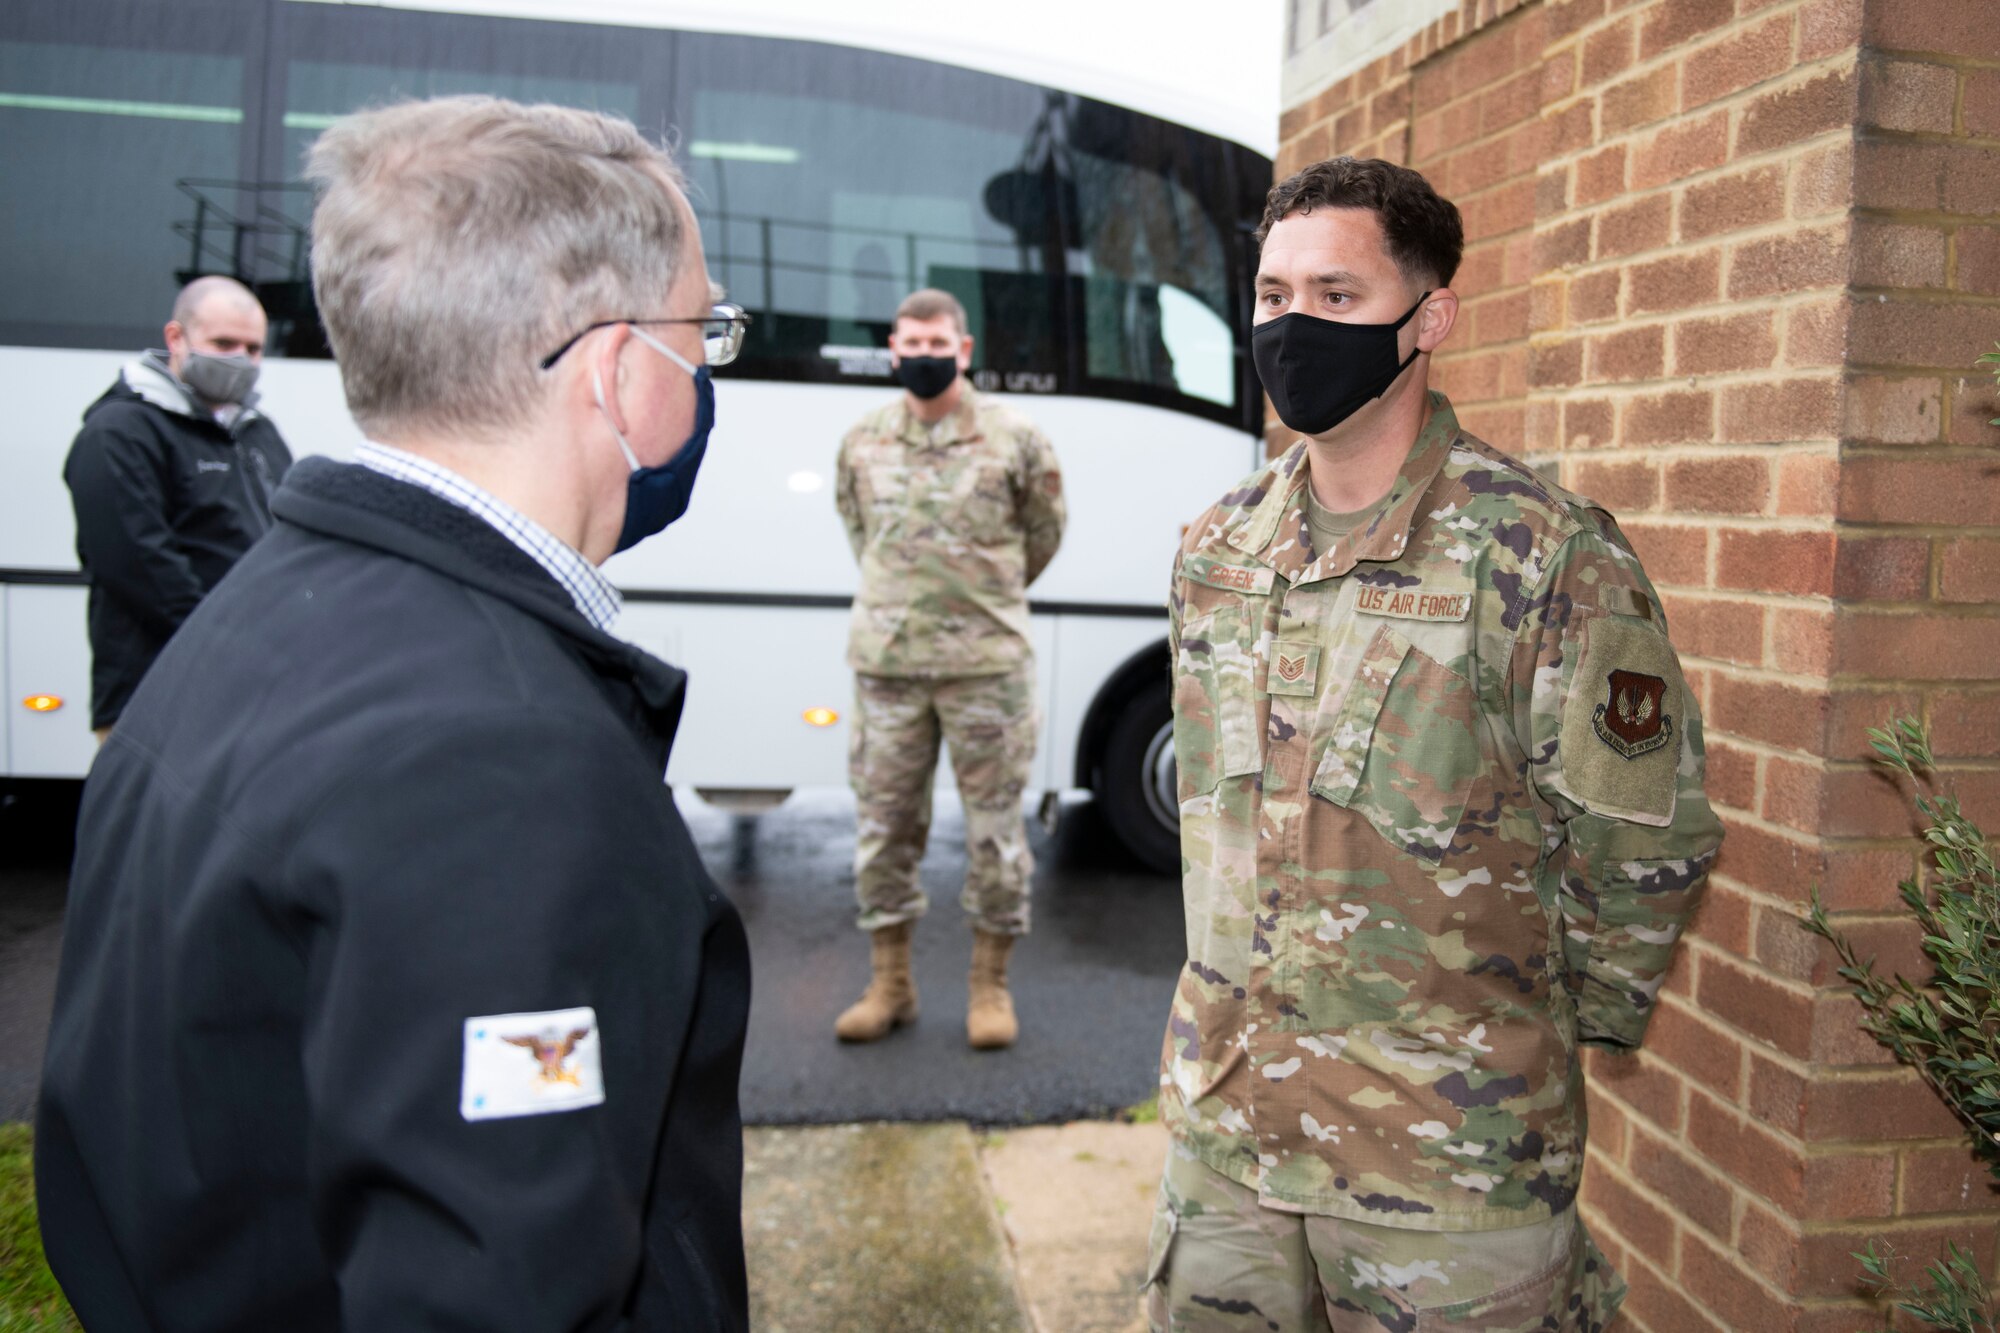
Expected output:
(874, 1228)
(1076, 1201)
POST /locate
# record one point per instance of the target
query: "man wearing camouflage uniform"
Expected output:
(953, 504)
(1441, 818)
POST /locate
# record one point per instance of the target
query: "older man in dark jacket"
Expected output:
(393, 992)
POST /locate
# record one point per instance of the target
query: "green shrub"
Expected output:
(1948, 1029)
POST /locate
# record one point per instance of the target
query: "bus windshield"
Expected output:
(1098, 251)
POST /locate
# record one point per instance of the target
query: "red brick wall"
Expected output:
(1728, 265)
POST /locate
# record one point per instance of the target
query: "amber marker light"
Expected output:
(42, 703)
(821, 717)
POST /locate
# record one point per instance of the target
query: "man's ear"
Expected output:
(605, 364)
(1437, 319)
(965, 352)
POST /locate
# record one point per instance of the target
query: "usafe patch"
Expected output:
(1236, 578)
(1633, 719)
(1413, 603)
(1622, 721)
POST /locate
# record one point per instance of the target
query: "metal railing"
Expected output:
(767, 263)
(236, 235)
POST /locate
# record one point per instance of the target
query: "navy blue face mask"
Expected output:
(656, 496)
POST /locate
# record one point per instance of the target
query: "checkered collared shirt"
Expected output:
(594, 595)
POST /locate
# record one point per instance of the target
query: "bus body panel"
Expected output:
(47, 652)
(761, 540)
(763, 519)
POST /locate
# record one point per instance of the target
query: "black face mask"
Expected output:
(1320, 372)
(927, 376)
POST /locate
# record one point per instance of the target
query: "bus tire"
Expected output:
(1136, 779)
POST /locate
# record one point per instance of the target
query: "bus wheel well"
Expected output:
(1149, 665)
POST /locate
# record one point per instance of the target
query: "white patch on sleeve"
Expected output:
(1314, 1130)
(1279, 1071)
(531, 1064)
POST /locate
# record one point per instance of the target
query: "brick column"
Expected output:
(1728, 265)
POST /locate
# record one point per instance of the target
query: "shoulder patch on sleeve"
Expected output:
(1622, 721)
(531, 1064)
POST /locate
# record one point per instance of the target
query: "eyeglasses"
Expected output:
(721, 333)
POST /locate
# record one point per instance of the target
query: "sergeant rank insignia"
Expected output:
(1633, 720)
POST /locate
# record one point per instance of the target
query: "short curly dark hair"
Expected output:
(1426, 238)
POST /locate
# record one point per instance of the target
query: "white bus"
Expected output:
(1101, 248)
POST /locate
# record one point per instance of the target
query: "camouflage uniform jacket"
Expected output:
(1441, 820)
(950, 530)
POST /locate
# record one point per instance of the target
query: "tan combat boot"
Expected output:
(891, 998)
(989, 1013)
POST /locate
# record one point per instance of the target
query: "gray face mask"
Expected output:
(219, 379)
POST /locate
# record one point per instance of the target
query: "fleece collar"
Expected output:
(149, 377)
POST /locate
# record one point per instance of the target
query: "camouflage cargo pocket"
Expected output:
(981, 503)
(1216, 729)
(1406, 748)
(884, 489)
(1579, 1293)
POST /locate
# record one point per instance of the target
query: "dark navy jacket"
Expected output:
(167, 499)
(386, 779)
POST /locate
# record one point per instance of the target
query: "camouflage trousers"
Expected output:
(989, 722)
(1221, 1261)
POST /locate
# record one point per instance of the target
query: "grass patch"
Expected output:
(30, 1300)
(1144, 1113)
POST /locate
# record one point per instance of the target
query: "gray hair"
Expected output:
(457, 242)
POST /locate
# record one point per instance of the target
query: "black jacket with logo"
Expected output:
(385, 780)
(167, 499)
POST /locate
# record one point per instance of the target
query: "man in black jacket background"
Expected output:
(171, 477)
(393, 993)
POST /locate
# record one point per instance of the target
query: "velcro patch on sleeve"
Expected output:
(1235, 578)
(1621, 600)
(1622, 722)
(531, 1064)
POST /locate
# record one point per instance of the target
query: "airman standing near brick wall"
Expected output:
(1442, 821)
(953, 504)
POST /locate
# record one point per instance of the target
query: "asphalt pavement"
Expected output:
(34, 872)
(1091, 982)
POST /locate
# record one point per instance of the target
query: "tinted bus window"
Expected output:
(330, 60)
(105, 109)
(830, 182)
(1155, 218)
(1097, 251)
